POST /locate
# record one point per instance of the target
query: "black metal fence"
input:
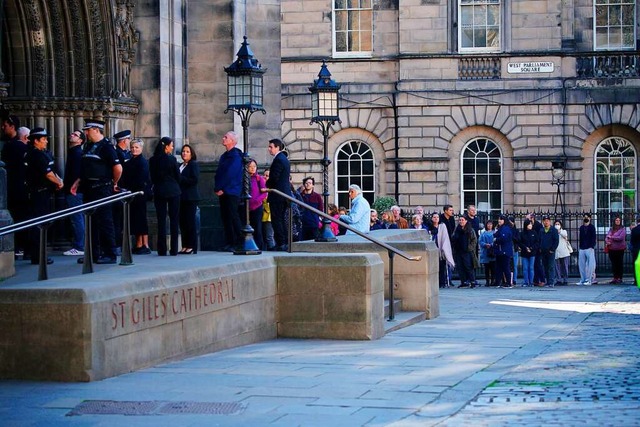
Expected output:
(571, 222)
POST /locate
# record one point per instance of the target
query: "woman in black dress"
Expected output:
(189, 175)
(165, 176)
(135, 177)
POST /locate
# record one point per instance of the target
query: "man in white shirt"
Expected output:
(359, 214)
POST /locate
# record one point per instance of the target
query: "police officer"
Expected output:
(100, 172)
(123, 139)
(42, 180)
(13, 152)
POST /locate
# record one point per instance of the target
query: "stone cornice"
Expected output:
(121, 105)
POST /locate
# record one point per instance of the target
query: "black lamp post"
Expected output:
(557, 173)
(324, 111)
(244, 96)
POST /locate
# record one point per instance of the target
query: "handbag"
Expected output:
(606, 249)
(569, 247)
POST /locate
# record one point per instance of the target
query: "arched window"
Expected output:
(354, 165)
(615, 176)
(482, 175)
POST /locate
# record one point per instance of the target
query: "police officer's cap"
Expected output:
(38, 133)
(122, 135)
(88, 124)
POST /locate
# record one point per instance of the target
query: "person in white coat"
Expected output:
(563, 255)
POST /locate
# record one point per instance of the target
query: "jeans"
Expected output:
(586, 264)
(527, 270)
(549, 265)
(516, 255)
(77, 221)
(562, 270)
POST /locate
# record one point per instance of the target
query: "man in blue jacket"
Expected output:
(549, 239)
(228, 187)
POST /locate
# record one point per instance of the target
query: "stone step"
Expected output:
(401, 319)
(397, 307)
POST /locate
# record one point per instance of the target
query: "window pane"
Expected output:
(340, 4)
(482, 173)
(482, 166)
(356, 165)
(616, 176)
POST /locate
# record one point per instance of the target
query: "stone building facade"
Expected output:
(460, 101)
(156, 67)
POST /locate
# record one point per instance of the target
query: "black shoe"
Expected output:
(80, 260)
(283, 248)
(106, 260)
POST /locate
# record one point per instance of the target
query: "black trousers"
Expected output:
(39, 205)
(188, 224)
(164, 206)
(279, 214)
(102, 230)
(255, 219)
(231, 219)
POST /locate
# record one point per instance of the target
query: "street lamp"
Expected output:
(558, 173)
(324, 111)
(244, 96)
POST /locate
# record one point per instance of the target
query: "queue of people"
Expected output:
(96, 168)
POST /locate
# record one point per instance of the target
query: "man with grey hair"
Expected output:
(23, 134)
(402, 223)
(359, 214)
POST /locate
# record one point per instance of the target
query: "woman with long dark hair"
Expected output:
(189, 197)
(165, 176)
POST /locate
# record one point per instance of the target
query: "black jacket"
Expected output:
(529, 239)
(165, 175)
(189, 182)
(135, 175)
(279, 174)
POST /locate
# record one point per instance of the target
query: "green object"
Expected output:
(636, 266)
(383, 203)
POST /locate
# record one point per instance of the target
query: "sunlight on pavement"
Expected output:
(577, 306)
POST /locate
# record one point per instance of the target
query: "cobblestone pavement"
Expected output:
(590, 377)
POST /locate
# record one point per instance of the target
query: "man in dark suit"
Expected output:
(280, 172)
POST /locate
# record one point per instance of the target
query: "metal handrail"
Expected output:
(64, 213)
(45, 221)
(390, 249)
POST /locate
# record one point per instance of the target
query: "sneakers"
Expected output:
(73, 252)
(587, 283)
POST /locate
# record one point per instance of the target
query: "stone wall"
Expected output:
(417, 111)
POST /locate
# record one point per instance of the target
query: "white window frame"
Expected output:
(356, 148)
(334, 31)
(461, 26)
(493, 149)
(621, 148)
(609, 4)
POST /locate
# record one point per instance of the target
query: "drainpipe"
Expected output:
(396, 139)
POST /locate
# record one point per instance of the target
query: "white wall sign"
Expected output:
(529, 67)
